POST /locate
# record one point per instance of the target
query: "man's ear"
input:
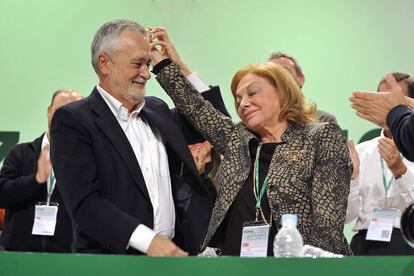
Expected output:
(49, 111)
(103, 63)
(301, 80)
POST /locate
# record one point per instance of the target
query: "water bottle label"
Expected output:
(255, 238)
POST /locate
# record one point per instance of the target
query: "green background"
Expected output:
(342, 46)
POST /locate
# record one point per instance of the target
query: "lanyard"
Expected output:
(386, 184)
(256, 169)
(256, 187)
(51, 182)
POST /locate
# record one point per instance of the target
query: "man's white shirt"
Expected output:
(149, 150)
(367, 190)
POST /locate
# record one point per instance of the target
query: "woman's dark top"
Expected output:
(243, 208)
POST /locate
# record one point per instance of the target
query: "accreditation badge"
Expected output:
(45, 219)
(380, 224)
(255, 237)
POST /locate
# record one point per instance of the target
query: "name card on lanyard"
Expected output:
(381, 223)
(255, 238)
(255, 234)
(382, 219)
(46, 212)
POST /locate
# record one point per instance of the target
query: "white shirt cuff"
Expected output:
(197, 82)
(141, 238)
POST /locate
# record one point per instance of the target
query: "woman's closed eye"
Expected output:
(252, 90)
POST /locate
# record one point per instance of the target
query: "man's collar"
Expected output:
(116, 106)
(45, 140)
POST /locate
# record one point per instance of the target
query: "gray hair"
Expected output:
(105, 37)
(277, 55)
(398, 76)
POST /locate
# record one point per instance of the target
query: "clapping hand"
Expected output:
(391, 156)
(374, 106)
(44, 166)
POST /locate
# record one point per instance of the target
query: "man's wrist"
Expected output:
(141, 238)
(399, 171)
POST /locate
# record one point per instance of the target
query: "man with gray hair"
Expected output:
(123, 166)
(293, 67)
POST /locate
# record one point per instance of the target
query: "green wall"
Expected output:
(342, 46)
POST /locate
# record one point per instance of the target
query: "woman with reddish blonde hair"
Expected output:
(277, 160)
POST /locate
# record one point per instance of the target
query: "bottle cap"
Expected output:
(289, 219)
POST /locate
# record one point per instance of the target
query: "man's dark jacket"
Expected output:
(102, 184)
(19, 193)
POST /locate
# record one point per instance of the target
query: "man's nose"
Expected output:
(145, 73)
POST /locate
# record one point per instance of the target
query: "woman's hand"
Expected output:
(201, 154)
(159, 39)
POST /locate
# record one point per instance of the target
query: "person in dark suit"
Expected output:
(23, 184)
(121, 161)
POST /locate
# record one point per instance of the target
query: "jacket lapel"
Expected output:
(110, 127)
(173, 137)
(234, 172)
(37, 144)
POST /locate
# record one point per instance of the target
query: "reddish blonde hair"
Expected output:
(294, 107)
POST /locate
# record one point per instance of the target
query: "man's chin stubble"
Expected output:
(136, 97)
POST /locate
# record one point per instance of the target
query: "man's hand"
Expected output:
(44, 166)
(201, 153)
(161, 246)
(391, 156)
(159, 37)
(355, 159)
(374, 106)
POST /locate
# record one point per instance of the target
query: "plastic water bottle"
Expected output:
(208, 252)
(288, 241)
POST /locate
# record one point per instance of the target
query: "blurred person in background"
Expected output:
(382, 183)
(27, 185)
(293, 67)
